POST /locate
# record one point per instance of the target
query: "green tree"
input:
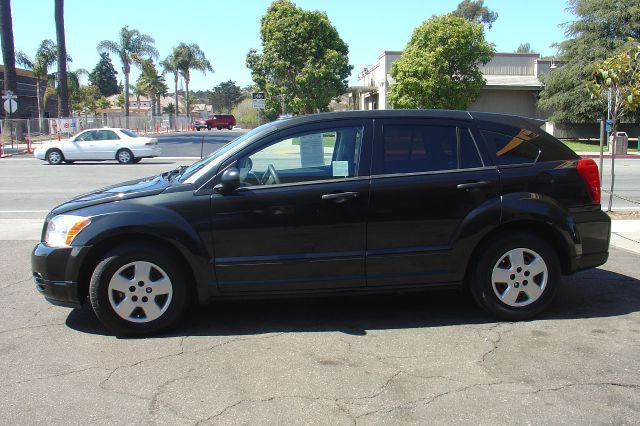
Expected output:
(104, 75)
(524, 48)
(190, 57)
(152, 84)
(601, 27)
(225, 96)
(476, 11)
(63, 90)
(85, 99)
(103, 103)
(170, 66)
(303, 59)
(132, 48)
(439, 68)
(169, 109)
(120, 100)
(46, 56)
(617, 77)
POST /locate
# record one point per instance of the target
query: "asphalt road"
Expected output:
(409, 359)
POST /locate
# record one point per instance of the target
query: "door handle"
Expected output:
(473, 185)
(340, 196)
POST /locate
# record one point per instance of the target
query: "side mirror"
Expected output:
(229, 181)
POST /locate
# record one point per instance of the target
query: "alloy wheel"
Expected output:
(519, 277)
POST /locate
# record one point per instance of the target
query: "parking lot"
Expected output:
(427, 358)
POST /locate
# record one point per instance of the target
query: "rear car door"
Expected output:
(428, 179)
(298, 222)
(107, 144)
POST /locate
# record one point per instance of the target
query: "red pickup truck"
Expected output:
(217, 120)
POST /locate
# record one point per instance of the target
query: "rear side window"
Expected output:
(415, 148)
(514, 147)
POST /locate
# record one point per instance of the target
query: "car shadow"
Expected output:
(591, 294)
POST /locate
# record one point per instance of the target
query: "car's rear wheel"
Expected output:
(219, 128)
(515, 276)
(137, 290)
(198, 129)
(124, 156)
(55, 157)
(230, 127)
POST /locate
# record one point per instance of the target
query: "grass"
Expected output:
(592, 146)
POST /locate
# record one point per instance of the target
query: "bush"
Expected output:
(246, 115)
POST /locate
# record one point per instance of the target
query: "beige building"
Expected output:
(513, 84)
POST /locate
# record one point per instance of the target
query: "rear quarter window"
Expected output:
(511, 146)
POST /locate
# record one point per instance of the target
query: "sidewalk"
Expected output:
(591, 154)
(625, 234)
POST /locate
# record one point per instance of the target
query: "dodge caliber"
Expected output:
(336, 203)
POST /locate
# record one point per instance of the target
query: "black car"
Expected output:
(337, 203)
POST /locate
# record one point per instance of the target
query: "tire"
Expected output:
(219, 128)
(208, 128)
(198, 128)
(230, 127)
(515, 277)
(127, 308)
(136, 160)
(55, 157)
(124, 156)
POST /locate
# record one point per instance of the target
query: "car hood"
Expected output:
(122, 191)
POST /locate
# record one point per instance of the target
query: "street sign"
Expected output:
(608, 125)
(10, 105)
(9, 95)
(259, 99)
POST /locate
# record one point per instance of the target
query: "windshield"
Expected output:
(203, 163)
(129, 133)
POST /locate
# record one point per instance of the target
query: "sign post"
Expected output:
(11, 106)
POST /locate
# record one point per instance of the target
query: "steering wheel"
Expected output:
(271, 171)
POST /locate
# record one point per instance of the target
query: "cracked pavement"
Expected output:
(406, 359)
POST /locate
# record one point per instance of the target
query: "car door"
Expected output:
(106, 144)
(297, 223)
(428, 178)
(82, 146)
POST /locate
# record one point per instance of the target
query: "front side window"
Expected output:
(318, 155)
(86, 136)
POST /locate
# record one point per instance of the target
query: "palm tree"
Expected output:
(8, 52)
(170, 65)
(73, 84)
(191, 57)
(46, 57)
(152, 84)
(132, 48)
(63, 92)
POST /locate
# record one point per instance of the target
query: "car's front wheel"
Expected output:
(55, 157)
(137, 290)
(124, 156)
(515, 276)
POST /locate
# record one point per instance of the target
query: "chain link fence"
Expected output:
(19, 134)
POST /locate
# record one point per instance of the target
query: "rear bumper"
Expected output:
(56, 274)
(594, 233)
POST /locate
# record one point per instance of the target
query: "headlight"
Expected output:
(63, 229)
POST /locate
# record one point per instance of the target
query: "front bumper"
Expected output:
(56, 273)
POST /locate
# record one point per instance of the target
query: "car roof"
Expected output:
(513, 120)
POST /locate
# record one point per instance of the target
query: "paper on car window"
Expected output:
(311, 152)
(340, 168)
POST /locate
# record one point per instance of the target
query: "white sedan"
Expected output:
(122, 145)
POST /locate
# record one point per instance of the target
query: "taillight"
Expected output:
(588, 171)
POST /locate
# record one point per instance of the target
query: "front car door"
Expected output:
(298, 221)
(82, 147)
(428, 180)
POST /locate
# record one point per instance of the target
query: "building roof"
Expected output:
(512, 82)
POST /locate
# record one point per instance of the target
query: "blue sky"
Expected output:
(226, 30)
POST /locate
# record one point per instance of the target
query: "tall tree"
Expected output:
(476, 11)
(104, 77)
(8, 53)
(225, 95)
(152, 84)
(524, 48)
(303, 60)
(439, 68)
(132, 48)
(601, 27)
(46, 56)
(63, 91)
(170, 66)
(191, 57)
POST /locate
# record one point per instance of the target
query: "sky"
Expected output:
(226, 30)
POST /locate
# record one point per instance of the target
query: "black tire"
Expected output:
(124, 156)
(230, 127)
(111, 263)
(55, 157)
(208, 128)
(137, 160)
(494, 251)
(219, 128)
(198, 129)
